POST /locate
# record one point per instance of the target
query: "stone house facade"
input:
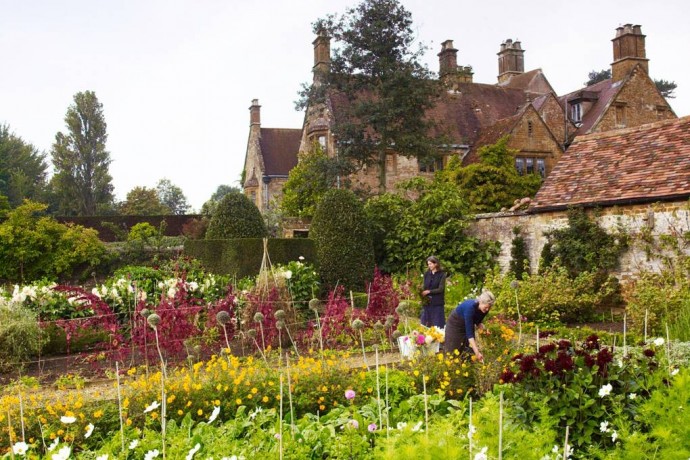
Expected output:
(522, 105)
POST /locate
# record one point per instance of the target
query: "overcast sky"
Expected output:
(176, 77)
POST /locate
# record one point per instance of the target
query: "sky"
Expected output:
(176, 77)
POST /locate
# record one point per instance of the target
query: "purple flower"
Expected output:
(372, 427)
(350, 394)
(354, 424)
(420, 339)
(277, 436)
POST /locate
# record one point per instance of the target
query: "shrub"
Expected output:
(519, 257)
(236, 217)
(19, 336)
(343, 242)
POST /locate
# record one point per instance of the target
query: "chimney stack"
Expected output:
(511, 60)
(322, 54)
(628, 51)
(255, 113)
(449, 72)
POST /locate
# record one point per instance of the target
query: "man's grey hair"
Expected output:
(486, 297)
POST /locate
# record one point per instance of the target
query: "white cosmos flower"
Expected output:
(89, 430)
(102, 457)
(287, 274)
(401, 425)
(134, 444)
(632, 396)
(614, 436)
(418, 426)
(67, 419)
(214, 414)
(659, 341)
(53, 445)
(62, 454)
(20, 448)
(193, 451)
(471, 431)
(604, 426)
(605, 390)
(674, 372)
(151, 454)
(481, 455)
(153, 406)
(301, 257)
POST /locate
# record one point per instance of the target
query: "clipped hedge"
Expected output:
(236, 217)
(242, 256)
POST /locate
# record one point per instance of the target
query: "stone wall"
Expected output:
(671, 218)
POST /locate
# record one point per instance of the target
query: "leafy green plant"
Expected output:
(519, 257)
(236, 216)
(20, 336)
(75, 381)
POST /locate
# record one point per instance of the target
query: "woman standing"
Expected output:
(433, 294)
(462, 322)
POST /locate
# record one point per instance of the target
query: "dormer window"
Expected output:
(576, 113)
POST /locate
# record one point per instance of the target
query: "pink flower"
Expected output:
(277, 436)
(371, 427)
(420, 339)
(354, 424)
(350, 394)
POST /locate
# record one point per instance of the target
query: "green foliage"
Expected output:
(172, 196)
(666, 88)
(242, 257)
(209, 207)
(385, 213)
(143, 231)
(433, 223)
(307, 182)
(303, 283)
(519, 257)
(236, 217)
(597, 76)
(22, 169)
(551, 296)
(32, 247)
(493, 183)
(387, 87)
(342, 240)
(583, 246)
(82, 183)
(20, 336)
(142, 201)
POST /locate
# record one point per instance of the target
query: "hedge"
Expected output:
(242, 256)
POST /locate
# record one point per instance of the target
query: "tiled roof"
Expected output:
(462, 113)
(647, 163)
(279, 148)
(532, 81)
(491, 134)
(606, 91)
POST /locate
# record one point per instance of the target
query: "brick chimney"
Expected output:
(628, 51)
(255, 113)
(511, 60)
(449, 72)
(322, 54)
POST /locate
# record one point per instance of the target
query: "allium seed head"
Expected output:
(223, 317)
(280, 324)
(153, 320)
(280, 314)
(314, 304)
(258, 317)
(358, 324)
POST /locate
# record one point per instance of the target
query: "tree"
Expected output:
(33, 246)
(142, 201)
(342, 240)
(82, 182)
(236, 217)
(665, 87)
(493, 183)
(387, 89)
(314, 175)
(209, 207)
(22, 169)
(172, 196)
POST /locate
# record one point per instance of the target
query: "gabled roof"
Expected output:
(533, 81)
(606, 91)
(279, 149)
(643, 164)
(491, 134)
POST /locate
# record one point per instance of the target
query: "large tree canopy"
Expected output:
(142, 201)
(82, 183)
(22, 169)
(172, 196)
(376, 70)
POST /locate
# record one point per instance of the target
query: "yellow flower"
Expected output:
(216, 402)
(179, 412)
(200, 412)
(128, 422)
(322, 407)
(238, 401)
(264, 399)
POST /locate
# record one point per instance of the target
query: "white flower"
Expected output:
(287, 274)
(614, 436)
(555, 449)
(605, 390)
(482, 454)
(254, 413)
(133, 444)
(151, 454)
(67, 419)
(53, 445)
(604, 426)
(193, 451)
(95, 292)
(471, 431)
(102, 457)
(418, 426)
(89, 430)
(301, 257)
(20, 448)
(171, 292)
(674, 372)
(193, 286)
(401, 425)
(214, 414)
(153, 406)
(63, 454)
(659, 341)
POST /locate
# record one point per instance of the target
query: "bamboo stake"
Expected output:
(469, 433)
(21, 414)
(292, 414)
(426, 408)
(280, 424)
(668, 349)
(625, 344)
(388, 424)
(119, 405)
(9, 433)
(566, 449)
(500, 428)
(646, 312)
(378, 387)
(537, 339)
